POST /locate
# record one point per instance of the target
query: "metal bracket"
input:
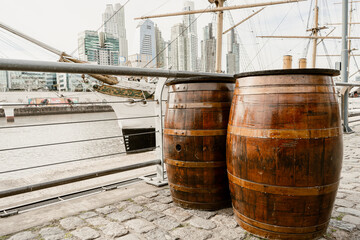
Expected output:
(156, 181)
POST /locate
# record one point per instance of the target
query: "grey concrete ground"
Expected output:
(148, 213)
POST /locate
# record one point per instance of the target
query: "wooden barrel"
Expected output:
(284, 152)
(195, 142)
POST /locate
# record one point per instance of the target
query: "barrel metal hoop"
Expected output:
(280, 229)
(189, 164)
(281, 190)
(183, 132)
(285, 133)
(201, 105)
(213, 189)
(282, 90)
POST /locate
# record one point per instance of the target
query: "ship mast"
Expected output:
(220, 24)
(315, 32)
(219, 9)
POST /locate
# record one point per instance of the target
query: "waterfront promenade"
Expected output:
(140, 211)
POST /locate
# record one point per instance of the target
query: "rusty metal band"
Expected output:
(285, 133)
(210, 189)
(281, 229)
(276, 81)
(281, 190)
(282, 90)
(278, 235)
(187, 87)
(201, 105)
(187, 164)
(182, 132)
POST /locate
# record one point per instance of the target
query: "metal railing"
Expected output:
(164, 75)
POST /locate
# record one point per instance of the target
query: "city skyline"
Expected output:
(49, 27)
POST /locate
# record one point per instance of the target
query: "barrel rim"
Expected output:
(201, 80)
(306, 71)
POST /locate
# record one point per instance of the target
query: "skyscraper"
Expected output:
(208, 50)
(191, 37)
(233, 55)
(178, 53)
(102, 48)
(160, 49)
(114, 23)
(146, 32)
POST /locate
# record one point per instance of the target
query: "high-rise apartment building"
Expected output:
(178, 53)
(191, 37)
(114, 23)
(102, 48)
(147, 40)
(160, 49)
(4, 82)
(233, 55)
(208, 50)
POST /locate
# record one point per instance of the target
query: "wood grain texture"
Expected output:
(195, 128)
(284, 154)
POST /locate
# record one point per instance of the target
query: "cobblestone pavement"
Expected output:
(155, 216)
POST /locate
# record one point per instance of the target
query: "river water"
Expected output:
(30, 136)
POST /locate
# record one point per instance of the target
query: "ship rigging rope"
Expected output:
(71, 142)
(102, 25)
(177, 37)
(290, 8)
(13, 44)
(73, 161)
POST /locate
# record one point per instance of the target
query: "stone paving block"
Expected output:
(190, 233)
(351, 219)
(158, 234)
(340, 195)
(164, 192)
(52, 233)
(229, 234)
(344, 203)
(140, 225)
(150, 215)
(156, 206)
(337, 234)
(71, 223)
(27, 235)
(86, 215)
(226, 221)
(178, 213)
(114, 230)
(151, 194)
(142, 200)
(134, 208)
(202, 214)
(349, 210)
(163, 199)
(347, 186)
(225, 212)
(86, 233)
(121, 216)
(129, 237)
(106, 210)
(168, 223)
(97, 221)
(201, 223)
(122, 205)
(353, 197)
(342, 225)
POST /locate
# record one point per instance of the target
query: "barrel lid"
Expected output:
(303, 71)
(201, 80)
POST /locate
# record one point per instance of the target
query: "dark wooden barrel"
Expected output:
(195, 142)
(284, 152)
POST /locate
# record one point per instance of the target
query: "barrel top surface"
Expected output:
(307, 71)
(201, 80)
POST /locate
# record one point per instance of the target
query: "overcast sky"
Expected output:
(58, 23)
